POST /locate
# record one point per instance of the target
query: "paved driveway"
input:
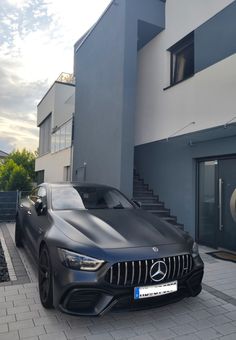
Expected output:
(211, 315)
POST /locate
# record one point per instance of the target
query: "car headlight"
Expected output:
(79, 262)
(195, 251)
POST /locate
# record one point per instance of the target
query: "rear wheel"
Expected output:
(18, 234)
(45, 278)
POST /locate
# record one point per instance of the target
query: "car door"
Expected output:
(38, 223)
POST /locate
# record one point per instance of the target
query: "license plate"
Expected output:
(157, 290)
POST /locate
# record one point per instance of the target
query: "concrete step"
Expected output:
(142, 193)
(160, 213)
(146, 199)
(170, 219)
(152, 206)
(10, 205)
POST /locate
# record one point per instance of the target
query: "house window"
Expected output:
(182, 59)
(62, 137)
(45, 136)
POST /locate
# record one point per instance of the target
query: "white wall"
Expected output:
(207, 98)
(64, 103)
(53, 165)
(46, 105)
(60, 100)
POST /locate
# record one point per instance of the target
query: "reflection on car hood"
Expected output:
(123, 228)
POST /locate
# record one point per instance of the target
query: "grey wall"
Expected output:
(105, 69)
(170, 167)
(216, 39)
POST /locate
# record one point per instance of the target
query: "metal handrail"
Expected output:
(175, 133)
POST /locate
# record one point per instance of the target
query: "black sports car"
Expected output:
(97, 250)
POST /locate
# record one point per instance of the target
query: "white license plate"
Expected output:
(157, 290)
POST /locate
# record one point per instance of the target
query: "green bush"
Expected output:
(17, 171)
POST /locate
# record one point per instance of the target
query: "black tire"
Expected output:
(18, 234)
(45, 278)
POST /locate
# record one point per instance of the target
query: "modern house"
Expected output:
(157, 84)
(55, 121)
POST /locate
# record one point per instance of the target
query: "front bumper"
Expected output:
(86, 293)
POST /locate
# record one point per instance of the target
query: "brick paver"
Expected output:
(211, 315)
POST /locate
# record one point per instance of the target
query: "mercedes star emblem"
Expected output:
(158, 271)
(155, 249)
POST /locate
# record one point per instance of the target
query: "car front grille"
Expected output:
(133, 273)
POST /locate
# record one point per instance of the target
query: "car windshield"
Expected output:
(75, 198)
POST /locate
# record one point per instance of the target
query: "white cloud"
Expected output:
(36, 44)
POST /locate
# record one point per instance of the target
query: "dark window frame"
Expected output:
(175, 50)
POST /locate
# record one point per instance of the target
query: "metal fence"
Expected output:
(8, 204)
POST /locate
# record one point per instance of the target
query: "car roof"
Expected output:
(75, 184)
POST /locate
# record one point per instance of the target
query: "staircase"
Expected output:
(150, 202)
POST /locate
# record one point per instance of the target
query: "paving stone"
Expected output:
(20, 324)
(7, 318)
(15, 310)
(3, 328)
(162, 335)
(9, 336)
(231, 315)
(73, 333)
(229, 337)
(31, 332)
(53, 328)
(141, 337)
(27, 315)
(123, 333)
(226, 329)
(208, 334)
(219, 320)
(202, 324)
(45, 321)
(57, 336)
(103, 336)
(183, 329)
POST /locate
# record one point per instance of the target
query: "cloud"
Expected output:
(36, 44)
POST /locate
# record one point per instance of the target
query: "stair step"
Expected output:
(170, 219)
(160, 213)
(143, 193)
(140, 185)
(146, 199)
(154, 205)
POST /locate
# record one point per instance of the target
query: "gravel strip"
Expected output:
(4, 275)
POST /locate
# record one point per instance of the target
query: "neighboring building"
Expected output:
(157, 84)
(3, 155)
(55, 120)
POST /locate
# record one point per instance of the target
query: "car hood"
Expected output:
(118, 228)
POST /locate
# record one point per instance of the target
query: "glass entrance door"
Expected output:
(207, 203)
(227, 204)
(217, 203)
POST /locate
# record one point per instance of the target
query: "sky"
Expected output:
(36, 45)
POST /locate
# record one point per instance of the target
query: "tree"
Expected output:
(17, 171)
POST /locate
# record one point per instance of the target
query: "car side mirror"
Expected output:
(137, 204)
(40, 207)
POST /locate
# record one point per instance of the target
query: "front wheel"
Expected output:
(18, 234)
(45, 278)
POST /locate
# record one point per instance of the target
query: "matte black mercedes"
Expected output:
(96, 250)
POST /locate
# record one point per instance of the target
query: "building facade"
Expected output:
(55, 121)
(157, 82)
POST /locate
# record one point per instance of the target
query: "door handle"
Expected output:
(29, 212)
(221, 226)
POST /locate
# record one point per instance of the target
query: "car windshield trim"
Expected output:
(88, 198)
